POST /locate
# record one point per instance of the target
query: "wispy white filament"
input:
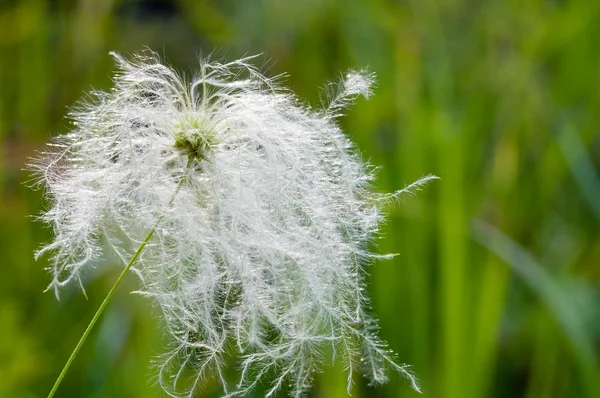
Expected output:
(262, 250)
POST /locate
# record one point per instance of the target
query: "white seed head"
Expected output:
(263, 215)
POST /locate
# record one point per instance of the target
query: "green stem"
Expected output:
(99, 312)
(111, 293)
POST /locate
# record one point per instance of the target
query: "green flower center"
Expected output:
(194, 136)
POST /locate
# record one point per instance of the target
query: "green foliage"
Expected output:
(496, 289)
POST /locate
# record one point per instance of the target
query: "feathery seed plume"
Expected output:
(261, 215)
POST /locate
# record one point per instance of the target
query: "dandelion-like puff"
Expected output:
(260, 211)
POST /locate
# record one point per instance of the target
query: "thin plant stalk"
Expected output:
(111, 292)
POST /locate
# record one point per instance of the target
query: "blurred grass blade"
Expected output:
(489, 309)
(580, 164)
(559, 303)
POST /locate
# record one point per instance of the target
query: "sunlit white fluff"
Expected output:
(262, 212)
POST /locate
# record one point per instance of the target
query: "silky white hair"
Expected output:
(263, 215)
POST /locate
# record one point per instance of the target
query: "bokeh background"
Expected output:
(496, 289)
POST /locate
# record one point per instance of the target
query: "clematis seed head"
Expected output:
(262, 215)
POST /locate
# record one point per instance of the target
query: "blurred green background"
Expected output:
(496, 292)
